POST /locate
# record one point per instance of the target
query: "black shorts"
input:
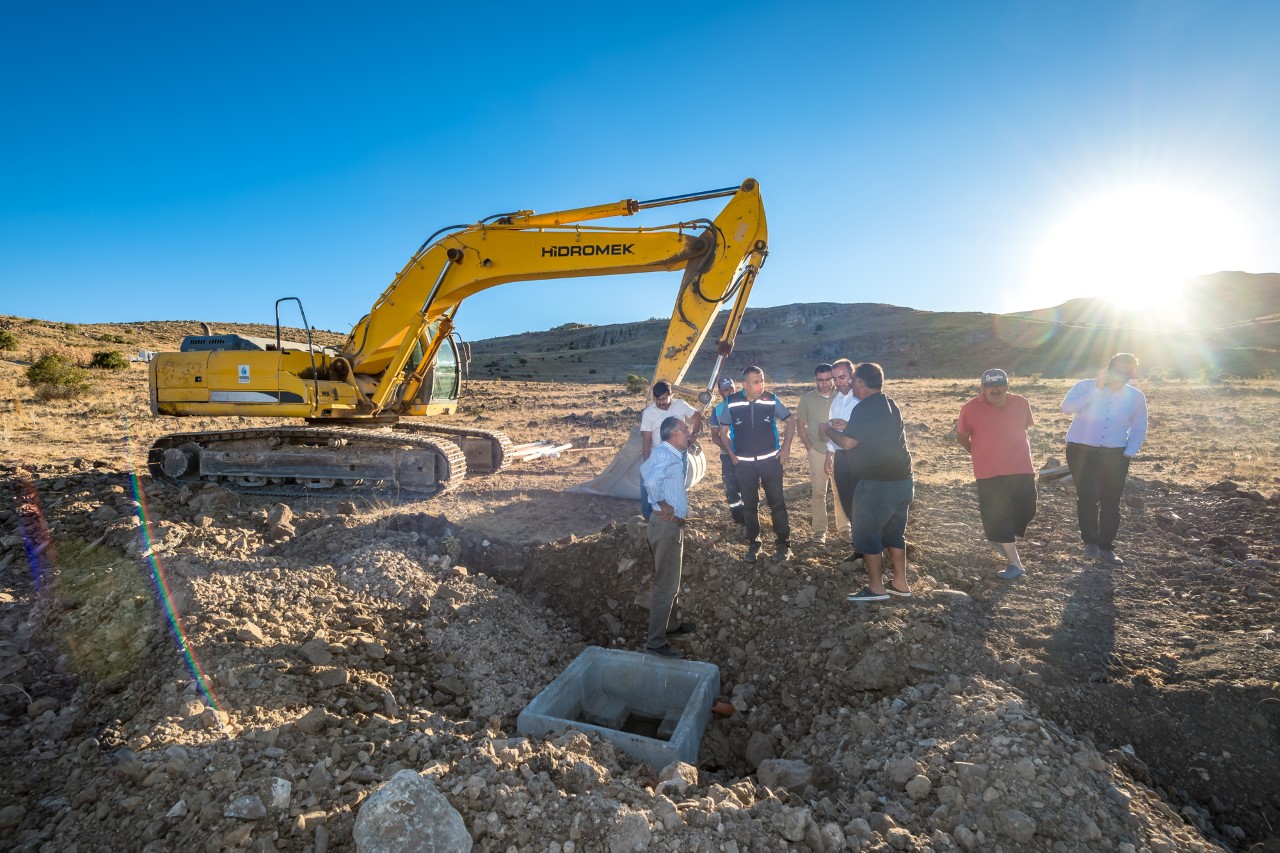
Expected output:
(1007, 505)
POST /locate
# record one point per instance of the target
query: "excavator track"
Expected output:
(317, 462)
(487, 451)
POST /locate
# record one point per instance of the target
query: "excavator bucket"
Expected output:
(622, 478)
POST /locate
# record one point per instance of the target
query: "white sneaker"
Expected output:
(820, 539)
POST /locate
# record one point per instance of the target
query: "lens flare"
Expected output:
(161, 583)
(36, 540)
(1136, 246)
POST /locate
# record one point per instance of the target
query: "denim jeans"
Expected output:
(880, 509)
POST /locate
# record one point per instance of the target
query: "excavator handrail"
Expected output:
(311, 350)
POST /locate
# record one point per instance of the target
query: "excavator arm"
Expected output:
(720, 259)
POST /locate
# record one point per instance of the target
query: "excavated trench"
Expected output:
(1207, 749)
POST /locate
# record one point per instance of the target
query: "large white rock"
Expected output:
(408, 813)
(792, 774)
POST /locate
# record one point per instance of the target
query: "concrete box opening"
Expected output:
(652, 708)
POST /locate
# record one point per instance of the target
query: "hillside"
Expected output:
(1221, 299)
(1230, 325)
(1237, 333)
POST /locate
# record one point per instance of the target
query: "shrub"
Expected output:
(109, 361)
(8, 340)
(113, 339)
(636, 384)
(54, 377)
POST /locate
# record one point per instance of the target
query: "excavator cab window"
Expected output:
(441, 382)
(444, 383)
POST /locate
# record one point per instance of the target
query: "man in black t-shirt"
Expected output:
(881, 464)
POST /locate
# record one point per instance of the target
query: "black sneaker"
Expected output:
(852, 558)
(664, 651)
(783, 554)
(682, 628)
(753, 552)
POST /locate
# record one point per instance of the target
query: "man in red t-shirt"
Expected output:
(993, 428)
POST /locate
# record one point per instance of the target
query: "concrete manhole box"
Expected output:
(653, 708)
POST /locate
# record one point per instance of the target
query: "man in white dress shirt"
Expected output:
(1107, 431)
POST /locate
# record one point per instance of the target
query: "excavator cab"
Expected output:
(441, 387)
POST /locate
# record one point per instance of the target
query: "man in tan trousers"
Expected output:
(811, 415)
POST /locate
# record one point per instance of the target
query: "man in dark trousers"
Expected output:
(1107, 431)
(719, 417)
(843, 402)
(757, 453)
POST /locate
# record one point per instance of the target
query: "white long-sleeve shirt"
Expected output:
(1106, 418)
(841, 407)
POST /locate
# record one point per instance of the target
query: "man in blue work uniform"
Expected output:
(751, 436)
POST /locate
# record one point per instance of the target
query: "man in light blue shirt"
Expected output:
(1107, 431)
(663, 474)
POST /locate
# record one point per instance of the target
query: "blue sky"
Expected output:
(171, 161)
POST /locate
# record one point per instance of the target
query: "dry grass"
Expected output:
(1200, 433)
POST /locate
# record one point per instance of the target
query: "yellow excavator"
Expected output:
(401, 361)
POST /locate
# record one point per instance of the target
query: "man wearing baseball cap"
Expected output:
(993, 428)
(719, 416)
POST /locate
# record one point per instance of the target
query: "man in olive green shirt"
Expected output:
(812, 414)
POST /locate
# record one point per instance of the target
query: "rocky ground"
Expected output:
(192, 669)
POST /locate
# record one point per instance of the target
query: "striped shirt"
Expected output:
(663, 474)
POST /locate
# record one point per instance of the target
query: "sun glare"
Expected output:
(1137, 247)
